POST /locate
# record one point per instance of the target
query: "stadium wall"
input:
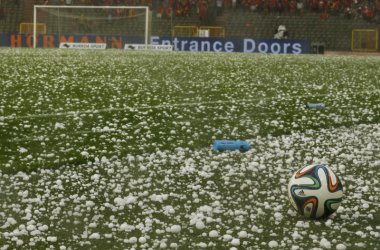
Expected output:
(334, 33)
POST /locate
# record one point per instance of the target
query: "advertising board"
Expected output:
(200, 44)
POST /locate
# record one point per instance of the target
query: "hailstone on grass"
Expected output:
(175, 228)
(213, 234)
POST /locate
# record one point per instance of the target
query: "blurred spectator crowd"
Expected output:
(366, 9)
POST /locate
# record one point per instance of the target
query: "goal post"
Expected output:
(127, 21)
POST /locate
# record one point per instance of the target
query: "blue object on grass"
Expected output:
(223, 145)
(315, 106)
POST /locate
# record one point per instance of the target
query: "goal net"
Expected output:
(97, 24)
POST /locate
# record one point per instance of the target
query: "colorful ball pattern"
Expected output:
(315, 191)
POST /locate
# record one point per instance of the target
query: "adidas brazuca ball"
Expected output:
(315, 191)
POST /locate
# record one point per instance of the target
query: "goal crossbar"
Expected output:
(146, 8)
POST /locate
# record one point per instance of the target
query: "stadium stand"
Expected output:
(10, 15)
(328, 22)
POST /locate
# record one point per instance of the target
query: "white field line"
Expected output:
(82, 132)
(95, 111)
(167, 105)
(42, 138)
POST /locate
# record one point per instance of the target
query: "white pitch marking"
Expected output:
(168, 105)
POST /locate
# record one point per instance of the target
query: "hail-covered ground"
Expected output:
(112, 149)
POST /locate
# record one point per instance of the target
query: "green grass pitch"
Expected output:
(112, 149)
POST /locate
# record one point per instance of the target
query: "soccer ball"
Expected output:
(315, 191)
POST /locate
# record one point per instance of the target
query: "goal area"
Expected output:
(128, 23)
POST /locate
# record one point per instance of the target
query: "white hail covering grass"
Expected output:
(230, 219)
(144, 175)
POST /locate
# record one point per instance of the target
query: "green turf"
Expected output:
(145, 122)
(207, 94)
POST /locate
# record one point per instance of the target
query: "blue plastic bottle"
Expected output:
(315, 106)
(223, 145)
